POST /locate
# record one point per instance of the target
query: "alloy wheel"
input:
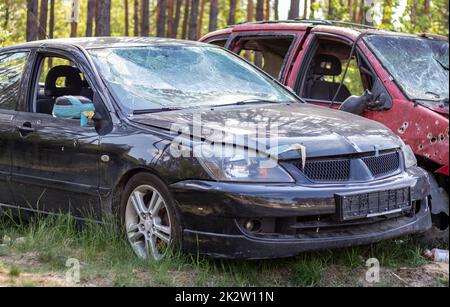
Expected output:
(148, 223)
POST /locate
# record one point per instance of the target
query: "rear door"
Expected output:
(55, 161)
(12, 65)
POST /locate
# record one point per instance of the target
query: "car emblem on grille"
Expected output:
(377, 150)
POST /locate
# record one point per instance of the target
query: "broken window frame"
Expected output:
(235, 44)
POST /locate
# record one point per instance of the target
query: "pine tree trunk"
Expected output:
(90, 17)
(176, 22)
(103, 18)
(136, 18)
(355, 11)
(426, 7)
(259, 10)
(294, 11)
(305, 9)
(193, 24)
(276, 13)
(145, 18)
(51, 22)
(330, 14)
(127, 20)
(250, 10)
(267, 10)
(43, 19)
(200, 18)
(213, 15)
(32, 22)
(362, 13)
(161, 18)
(187, 4)
(73, 29)
(170, 11)
(232, 13)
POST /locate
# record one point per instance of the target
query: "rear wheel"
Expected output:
(149, 217)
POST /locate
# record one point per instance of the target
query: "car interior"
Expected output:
(325, 71)
(59, 77)
(268, 53)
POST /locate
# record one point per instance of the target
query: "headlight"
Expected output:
(228, 163)
(408, 154)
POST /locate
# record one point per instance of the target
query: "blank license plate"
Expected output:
(371, 204)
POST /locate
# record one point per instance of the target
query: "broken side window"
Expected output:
(268, 53)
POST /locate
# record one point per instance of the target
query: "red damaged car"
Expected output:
(400, 80)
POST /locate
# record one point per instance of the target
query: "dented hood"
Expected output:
(324, 132)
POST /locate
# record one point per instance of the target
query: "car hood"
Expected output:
(322, 131)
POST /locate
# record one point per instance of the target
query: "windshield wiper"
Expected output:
(156, 110)
(249, 101)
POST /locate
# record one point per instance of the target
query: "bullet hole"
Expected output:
(441, 137)
(420, 146)
(432, 138)
(403, 127)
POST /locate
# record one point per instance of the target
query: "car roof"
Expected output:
(348, 28)
(106, 42)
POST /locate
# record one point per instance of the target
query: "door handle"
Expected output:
(25, 128)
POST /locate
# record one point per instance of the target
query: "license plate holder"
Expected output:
(372, 203)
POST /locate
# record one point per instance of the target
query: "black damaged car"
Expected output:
(191, 147)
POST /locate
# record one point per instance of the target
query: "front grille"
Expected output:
(383, 164)
(327, 170)
(337, 170)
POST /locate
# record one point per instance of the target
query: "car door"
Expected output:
(55, 161)
(326, 75)
(12, 65)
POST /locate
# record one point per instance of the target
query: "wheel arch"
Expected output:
(124, 179)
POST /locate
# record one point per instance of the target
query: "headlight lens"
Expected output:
(408, 154)
(228, 163)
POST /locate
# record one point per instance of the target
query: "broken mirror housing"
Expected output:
(74, 107)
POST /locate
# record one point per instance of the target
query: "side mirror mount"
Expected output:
(74, 107)
(357, 104)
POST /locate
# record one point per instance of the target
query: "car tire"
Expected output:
(149, 216)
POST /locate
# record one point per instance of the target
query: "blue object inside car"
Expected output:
(73, 107)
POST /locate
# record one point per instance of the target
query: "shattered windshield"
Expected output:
(156, 77)
(419, 65)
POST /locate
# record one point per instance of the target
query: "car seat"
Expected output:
(327, 65)
(72, 86)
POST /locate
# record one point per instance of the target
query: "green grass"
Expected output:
(14, 271)
(106, 259)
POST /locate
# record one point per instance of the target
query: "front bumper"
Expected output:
(212, 215)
